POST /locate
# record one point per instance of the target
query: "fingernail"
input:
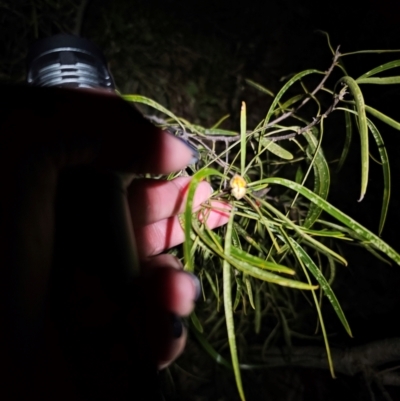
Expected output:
(196, 283)
(177, 326)
(195, 152)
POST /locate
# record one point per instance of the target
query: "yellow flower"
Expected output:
(238, 186)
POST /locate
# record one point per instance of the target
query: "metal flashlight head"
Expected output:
(67, 61)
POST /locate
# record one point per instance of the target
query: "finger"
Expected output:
(154, 238)
(172, 294)
(154, 200)
(167, 336)
(174, 348)
(174, 289)
(88, 125)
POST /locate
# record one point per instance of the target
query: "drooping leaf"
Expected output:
(326, 288)
(195, 181)
(276, 149)
(196, 322)
(300, 259)
(379, 81)
(387, 120)
(218, 358)
(361, 231)
(249, 268)
(154, 104)
(377, 70)
(347, 141)
(363, 130)
(321, 176)
(386, 173)
(227, 293)
(260, 87)
(283, 90)
(243, 124)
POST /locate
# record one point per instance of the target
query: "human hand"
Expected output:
(44, 132)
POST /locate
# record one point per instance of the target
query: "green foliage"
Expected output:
(268, 237)
(283, 238)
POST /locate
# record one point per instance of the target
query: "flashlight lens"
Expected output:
(67, 61)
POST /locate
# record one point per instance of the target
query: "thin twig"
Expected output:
(318, 88)
(79, 17)
(349, 361)
(329, 110)
(227, 139)
(211, 152)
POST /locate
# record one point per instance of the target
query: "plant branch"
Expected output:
(330, 109)
(349, 361)
(316, 120)
(79, 17)
(317, 88)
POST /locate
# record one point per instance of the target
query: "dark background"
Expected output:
(193, 57)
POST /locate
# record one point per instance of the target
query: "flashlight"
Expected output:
(68, 61)
(92, 232)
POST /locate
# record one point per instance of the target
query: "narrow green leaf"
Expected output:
(243, 125)
(347, 141)
(253, 260)
(219, 132)
(263, 223)
(249, 292)
(386, 173)
(311, 241)
(377, 70)
(326, 233)
(363, 129)
(235, 238)
(376, 254)
(283, 90)
(285, 106)
(210, 349)
(220, 121)
(211, 282)
(215, 131)
(276, 149)
(261, 263)
(259, 87)
(196, 322)
(195, 181)
(248, 268)
(332, 270)
(321, 176)
(361, 231)
(387, 120)
(317, 306)
(379, 81)
(227, 291)
(316, 272)
(244, 234)
(239, 286)
(152, 103)
(299, 175)
(320, 247)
